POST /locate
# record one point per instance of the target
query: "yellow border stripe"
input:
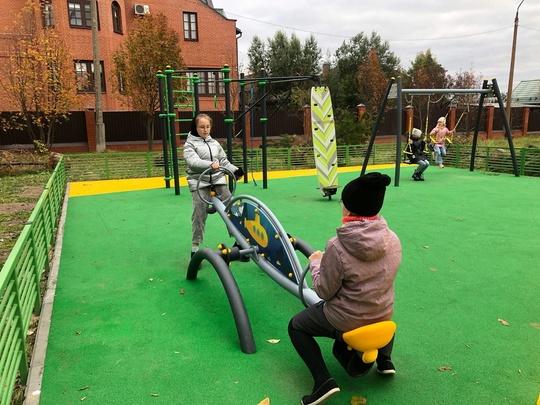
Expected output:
(84, 188)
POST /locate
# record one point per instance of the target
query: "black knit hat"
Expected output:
(364, 195)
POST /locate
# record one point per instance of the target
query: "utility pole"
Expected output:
(512, 60)
(100, 126)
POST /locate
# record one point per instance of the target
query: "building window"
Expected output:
(79, 14)
(47, 13)
(210, 83)
(84, 72)
(116, 18)
(190, 27)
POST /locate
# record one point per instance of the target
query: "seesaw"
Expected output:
(260, 237)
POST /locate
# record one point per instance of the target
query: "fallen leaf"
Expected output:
(265, 401)
(150, 279)
(182, 291)
(426, 247)
(273, 341)
(358, 400)
(78, 332)
(154, 395)
(535, 325)
(83, 398)
(84, 388)
(444, 368)
(503, 322)
(433, 269)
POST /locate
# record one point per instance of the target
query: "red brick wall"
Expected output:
(216, 46)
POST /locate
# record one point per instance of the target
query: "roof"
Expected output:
(527, 92)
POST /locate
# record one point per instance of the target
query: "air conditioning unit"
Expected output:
(142, 9)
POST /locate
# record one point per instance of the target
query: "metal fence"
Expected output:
(20, 282)
(109, 166)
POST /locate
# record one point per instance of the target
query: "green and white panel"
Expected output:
(323, 131)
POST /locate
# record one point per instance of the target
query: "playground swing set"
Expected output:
(395, 90)
(407, 152)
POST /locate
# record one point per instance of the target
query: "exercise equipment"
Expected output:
(323, 130)
(260, 237)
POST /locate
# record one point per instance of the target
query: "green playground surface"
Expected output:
(128, 328)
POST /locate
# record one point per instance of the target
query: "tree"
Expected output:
(372, 82)
(467, 103)
(343, 76)
(37, 78)
(151, 46)
(282, 56)
(426, 73)
(257, 55)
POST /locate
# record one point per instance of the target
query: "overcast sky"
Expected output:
(462, 34)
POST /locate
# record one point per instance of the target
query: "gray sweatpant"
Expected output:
(198, 217)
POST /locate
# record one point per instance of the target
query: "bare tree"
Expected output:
(37, 78)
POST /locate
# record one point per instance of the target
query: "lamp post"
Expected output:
(512, 60)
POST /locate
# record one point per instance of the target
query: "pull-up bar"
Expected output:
(426, 92)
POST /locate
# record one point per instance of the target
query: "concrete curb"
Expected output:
(37, 364)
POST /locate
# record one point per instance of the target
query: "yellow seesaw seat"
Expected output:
(368, 339)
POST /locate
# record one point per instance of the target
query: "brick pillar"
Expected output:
(409, 116)
(451, 124)
(360, 110)
(525, 121)
(307, 122)
(90, 117)
(490, 113)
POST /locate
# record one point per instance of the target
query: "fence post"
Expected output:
(525, 121)
(490, 113)
(90, 117)
(307, 122)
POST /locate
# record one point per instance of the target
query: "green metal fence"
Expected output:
(108, 166)
(20, 282)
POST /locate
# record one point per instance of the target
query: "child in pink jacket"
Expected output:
(355, 278)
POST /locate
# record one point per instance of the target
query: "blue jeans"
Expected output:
(440, 152)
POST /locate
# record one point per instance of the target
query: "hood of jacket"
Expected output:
(375, 241)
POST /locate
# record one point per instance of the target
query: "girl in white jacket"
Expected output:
(201, 152)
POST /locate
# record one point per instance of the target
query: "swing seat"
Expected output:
(370, 338)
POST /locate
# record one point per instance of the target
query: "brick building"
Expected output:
(208, 39)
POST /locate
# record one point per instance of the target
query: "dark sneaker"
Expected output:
(416, 177)
(421, 176)
(322, 393)
(386, 367)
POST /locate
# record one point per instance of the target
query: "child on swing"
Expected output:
(438, 136)
(417, 154)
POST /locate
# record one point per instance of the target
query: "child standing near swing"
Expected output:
(438, 137)
(417, 154)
